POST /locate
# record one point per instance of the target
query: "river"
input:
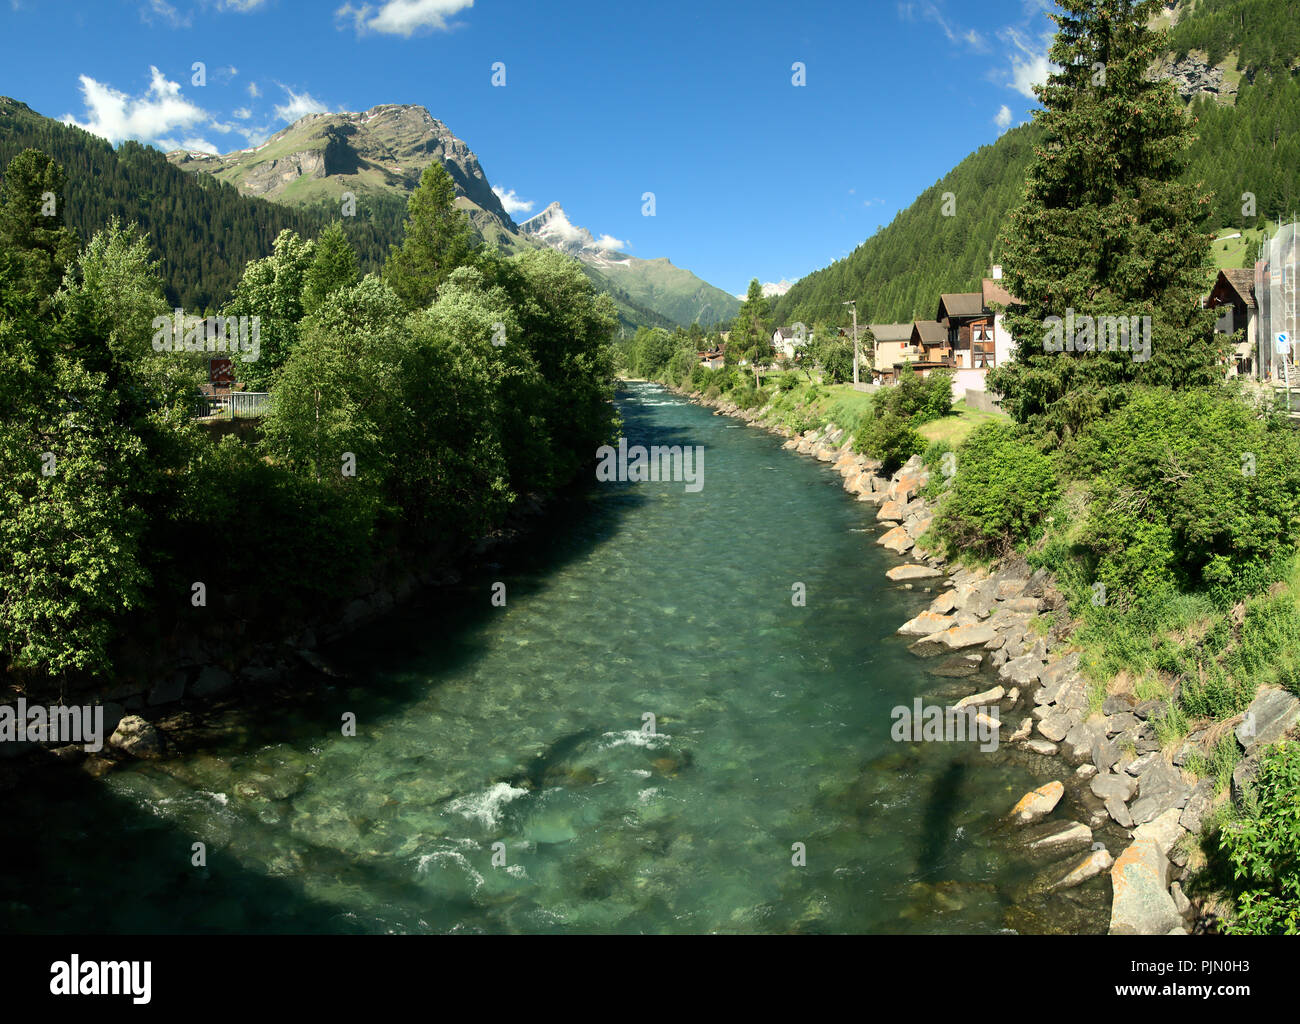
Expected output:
(504, 776)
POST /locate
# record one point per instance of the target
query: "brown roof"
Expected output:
(891, 332)
(994, 293)
(929, 332)
(960, 304)
(1232, 286)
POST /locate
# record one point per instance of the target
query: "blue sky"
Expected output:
(603, 101)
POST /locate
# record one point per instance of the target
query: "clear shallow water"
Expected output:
(522, 726)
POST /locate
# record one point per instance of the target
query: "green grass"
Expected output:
(955, 427)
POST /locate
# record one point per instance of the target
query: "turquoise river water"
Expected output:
(523, 726)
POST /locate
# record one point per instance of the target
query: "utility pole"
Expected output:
(853, 303)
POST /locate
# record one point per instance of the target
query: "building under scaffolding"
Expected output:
(1275, 292)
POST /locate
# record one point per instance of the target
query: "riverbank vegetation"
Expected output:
(406, 419)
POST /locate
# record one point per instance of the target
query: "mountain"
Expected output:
(379, 155)
(656, 284)
(203, 230)
(771, 289)
(1237, 65)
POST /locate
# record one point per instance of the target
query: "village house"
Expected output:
(1233, 295)
(786, 340)
(893, 346)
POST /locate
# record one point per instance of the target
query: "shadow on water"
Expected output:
(937, 821)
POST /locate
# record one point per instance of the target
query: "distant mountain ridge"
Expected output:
(379, 155)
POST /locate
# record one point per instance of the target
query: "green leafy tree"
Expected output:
(272, 290)
(1263, 846)
(438, 239)
(1106, 228)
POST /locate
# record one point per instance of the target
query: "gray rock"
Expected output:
(1181, 903)
(1021, 671)
(1160, 789)
(1122, 722)
(1165, 830)
(1118, 811)
(1198, 805)
(137, 737)
(1243, 777)
(1060, 839)
(1105, 753)
(1079, 742)
(1141, 764)
(1267, 719)
(1093, 863)
(1117, 703)
(1055, 726)
(1111, 784)
(1041, 747)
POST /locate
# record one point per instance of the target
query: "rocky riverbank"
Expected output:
(1116, 783)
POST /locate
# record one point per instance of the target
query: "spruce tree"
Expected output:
(1106, 228)
(751, 331)
(438, 239)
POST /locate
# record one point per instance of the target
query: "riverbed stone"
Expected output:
(1164, 830)
(169, 689)
(138, 738)
(890, 511)
(956, 666)
(212, 680)
(925, 624)
(944, 603)
(1141, 904)
(1112, 784)
(1044, 747)
(1123, 721)
(1094, 862)
(1078, 742)
(1060, 839)
(912, 571)
(897, 540)
(1023, 730)
(980, 699)
(1270, 715)
(1038, 803)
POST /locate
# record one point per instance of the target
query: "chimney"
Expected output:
(997, 271)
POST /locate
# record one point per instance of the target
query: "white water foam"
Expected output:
(486, 807)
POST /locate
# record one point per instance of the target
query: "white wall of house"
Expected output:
(1003, 345)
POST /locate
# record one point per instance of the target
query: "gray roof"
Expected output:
(891, 332)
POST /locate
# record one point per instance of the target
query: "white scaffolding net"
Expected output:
(1275, 293)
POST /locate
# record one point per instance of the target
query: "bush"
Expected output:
(1264, 848)
(889, 438)
(1194, 492)
(1002, 490)
(787, 382)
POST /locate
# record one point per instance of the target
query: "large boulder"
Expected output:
(1141, 904)
(138, 738)
(1268, 718)
(1160, 789)
(897, 540)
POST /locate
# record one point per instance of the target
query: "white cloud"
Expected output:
(253, 90)
(115, 116)
(1003, 118)
(242, 6)
(930, 12)
(512, 203)
(1028, 51)
(165, 11)
(243, 113)
(197, 145)
(300, 105)
(403, 17)
(609, 243)
(224, 127)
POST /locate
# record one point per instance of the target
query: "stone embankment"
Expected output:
(993, 622)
